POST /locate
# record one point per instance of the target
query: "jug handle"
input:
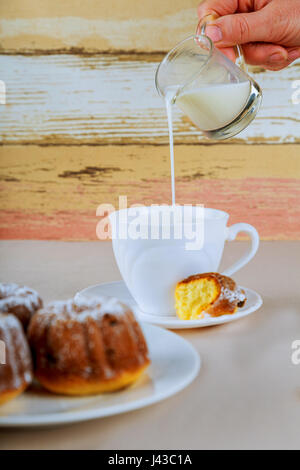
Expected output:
(240, 61)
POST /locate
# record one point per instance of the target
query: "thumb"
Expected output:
(240, 28)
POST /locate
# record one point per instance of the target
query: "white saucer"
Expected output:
(118, 289)
(174, 365)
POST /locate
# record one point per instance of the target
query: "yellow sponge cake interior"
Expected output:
(193, 296)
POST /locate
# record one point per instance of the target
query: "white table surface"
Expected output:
(247, 394)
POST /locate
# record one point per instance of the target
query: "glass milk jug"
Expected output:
(218, 96)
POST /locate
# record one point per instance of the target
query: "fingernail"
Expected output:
(214, 33)
(277, 57)
(295, 54)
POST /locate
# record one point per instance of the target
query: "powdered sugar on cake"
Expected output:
(16, 348)
(80, 309)
(236, 295)
(12, 295)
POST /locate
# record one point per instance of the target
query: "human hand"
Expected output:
(269, 30)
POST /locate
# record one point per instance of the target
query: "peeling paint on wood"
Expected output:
(259, 184)
(103, 100)
(99, 129)
(271, 205)
(105, 26)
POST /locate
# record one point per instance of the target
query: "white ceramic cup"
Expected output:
(152, 266)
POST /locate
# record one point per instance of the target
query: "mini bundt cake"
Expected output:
(20, 301)
(15, 358)
(84, 347)
(210, 293)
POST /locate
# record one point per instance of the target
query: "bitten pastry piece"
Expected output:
(83, 347)
(20, 301)
(211, 293)
(15, 358)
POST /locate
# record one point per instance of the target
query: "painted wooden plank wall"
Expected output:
(83, 124)
(70, 99)
(93, 25)
(52, 192)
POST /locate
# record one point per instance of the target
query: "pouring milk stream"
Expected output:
(220, 98)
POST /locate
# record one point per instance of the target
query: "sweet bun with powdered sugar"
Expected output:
(20, 301)
(84, 347)
(15, 359)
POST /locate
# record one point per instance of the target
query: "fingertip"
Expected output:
(202, 10)
(265, 54)
(293, 54)
(229, 52)
(214, 33)
(277, 58)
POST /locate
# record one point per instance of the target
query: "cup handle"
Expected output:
(231, 235)
(239, 51)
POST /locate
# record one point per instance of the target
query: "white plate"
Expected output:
(118, 289)
(174, 365)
